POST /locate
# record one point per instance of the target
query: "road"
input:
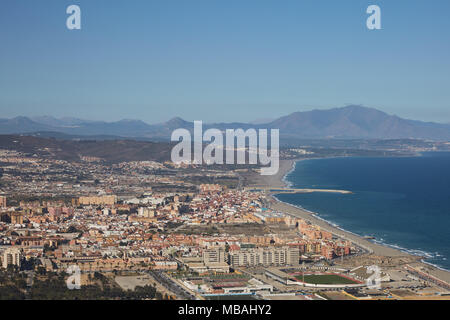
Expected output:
(170, 285)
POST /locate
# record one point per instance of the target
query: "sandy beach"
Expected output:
(276, 181)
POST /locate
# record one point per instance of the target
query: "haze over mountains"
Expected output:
(350, 122)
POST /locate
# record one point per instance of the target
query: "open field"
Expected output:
(231, 229)
(325, 279)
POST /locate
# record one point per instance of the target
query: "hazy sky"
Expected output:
(222, 60)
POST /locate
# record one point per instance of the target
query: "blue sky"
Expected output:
(223, 60)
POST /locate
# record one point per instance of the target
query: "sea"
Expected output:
(403, 202)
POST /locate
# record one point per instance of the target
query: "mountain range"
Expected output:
(350, 122)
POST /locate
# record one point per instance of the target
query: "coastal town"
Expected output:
(160, 230)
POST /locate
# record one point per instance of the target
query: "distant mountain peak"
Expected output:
(356, 122)
(177, 121)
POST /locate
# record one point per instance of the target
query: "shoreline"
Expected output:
(279, 180)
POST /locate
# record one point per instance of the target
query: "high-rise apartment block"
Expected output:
(265, 257)
(11, 256)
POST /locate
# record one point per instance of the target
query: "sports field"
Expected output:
(325, 279)
(232, 297)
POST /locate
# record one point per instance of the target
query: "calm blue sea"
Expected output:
(402, 202)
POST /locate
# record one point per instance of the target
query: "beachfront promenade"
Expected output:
(293, 190)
